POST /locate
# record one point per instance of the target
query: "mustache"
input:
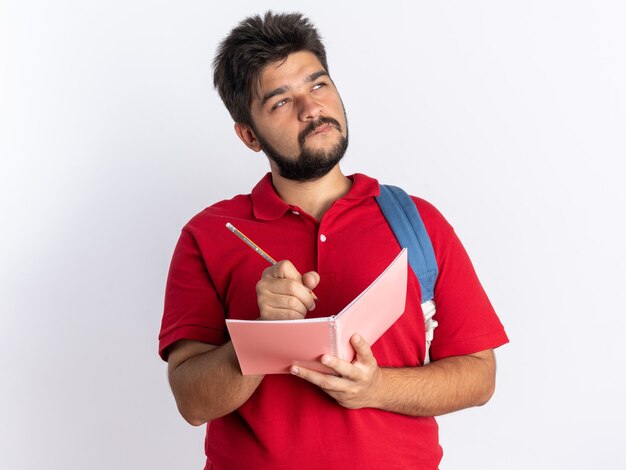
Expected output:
(308, 130)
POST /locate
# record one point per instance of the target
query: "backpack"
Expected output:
(407, 226)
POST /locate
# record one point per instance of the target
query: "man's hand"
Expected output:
(358, 383)
(441, 387)
(284, 294)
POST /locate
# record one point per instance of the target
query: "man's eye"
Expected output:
(279, 104)
(319, 85)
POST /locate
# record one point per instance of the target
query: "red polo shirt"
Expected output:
(287, 422)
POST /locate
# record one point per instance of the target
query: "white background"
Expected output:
(508, 116)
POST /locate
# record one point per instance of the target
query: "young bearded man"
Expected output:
(377, 411)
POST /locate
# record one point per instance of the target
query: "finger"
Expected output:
(363, 351)
(327, 382)
(283, 270)
(284, 293)
(274, 313)
(310, 280)
(294, 288)
(276, 306)
(341, 368)
(286, 270)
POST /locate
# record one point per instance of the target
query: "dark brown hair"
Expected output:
(253, 44)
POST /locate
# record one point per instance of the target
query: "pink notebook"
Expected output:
(273, 346)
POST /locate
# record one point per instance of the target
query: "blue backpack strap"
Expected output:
(406, 224)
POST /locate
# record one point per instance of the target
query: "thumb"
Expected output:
(310, 280)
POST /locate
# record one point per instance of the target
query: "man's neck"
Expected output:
(313, 197)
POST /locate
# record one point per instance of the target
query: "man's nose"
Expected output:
(309, 108)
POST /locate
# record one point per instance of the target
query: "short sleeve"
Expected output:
(467, 322)
(192, 307)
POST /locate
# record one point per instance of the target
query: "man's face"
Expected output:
(299, 119)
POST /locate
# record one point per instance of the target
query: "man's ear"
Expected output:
(247, 136)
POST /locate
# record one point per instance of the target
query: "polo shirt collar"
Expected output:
(362, 187)
(267, 205)
(265, 202)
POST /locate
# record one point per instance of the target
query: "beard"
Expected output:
(310, 165)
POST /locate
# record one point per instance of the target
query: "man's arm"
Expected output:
(438, 388)
(441, 387)
(206, 380)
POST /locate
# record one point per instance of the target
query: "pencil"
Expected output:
(250, 243)
(256, 248)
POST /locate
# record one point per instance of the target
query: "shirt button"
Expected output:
(323, 237)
